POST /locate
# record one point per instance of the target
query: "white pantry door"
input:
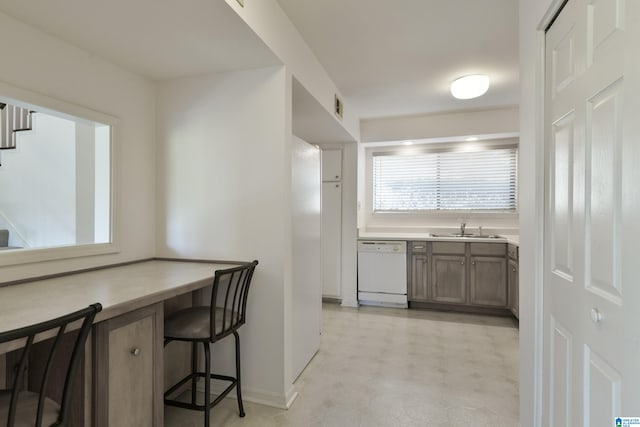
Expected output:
(591, 365)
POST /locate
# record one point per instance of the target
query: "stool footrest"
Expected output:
(194, 406)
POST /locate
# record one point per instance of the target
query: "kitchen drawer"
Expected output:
(448, 248)
(489, 249)
(418, 247)
(513, 251)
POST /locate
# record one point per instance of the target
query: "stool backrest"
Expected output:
(230, 290)
(58, 326)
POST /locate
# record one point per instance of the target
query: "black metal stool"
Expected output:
(24, 407)
(208, 324)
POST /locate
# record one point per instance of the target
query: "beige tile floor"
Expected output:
(391, 367)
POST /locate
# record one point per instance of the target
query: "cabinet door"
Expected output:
(514, 297)
(332, 164)
(489, 281)
(128, 371)
(448, 279)
(331, 239)
(419, 284)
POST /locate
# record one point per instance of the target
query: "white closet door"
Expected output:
(591, 367)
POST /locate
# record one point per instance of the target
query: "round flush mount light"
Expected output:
(468, 87)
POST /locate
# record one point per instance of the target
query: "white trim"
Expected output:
(254, 395)
(46, 104)
(30, 255)
(349, 303)
(26, 98)
(538, 244)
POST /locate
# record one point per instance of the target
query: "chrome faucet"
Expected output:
(462, 227)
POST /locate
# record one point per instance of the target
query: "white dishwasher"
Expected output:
(382, 273)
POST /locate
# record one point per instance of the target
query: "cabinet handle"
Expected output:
(337, 185)
(461, 262)
(418, 247)
(135, 351)
(473, 263)
(337, 176)
(514, 270)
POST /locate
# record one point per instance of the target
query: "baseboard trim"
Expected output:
(254, 395)
(350, 303)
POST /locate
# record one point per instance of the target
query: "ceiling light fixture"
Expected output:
(468, 87)
(471, 138)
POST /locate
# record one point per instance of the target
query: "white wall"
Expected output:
(40, 63)
(531, 207)
(441, 125)
(224, 192)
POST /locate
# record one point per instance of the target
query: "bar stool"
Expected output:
(206, 325)
(23, 407)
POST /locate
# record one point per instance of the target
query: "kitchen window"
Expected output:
(447, 179)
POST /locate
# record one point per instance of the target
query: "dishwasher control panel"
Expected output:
(382, 246)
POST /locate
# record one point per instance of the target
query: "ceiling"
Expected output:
(159, 39)
(394, 58)
(387, 58)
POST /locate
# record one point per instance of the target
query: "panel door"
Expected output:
(419, 289)
(332, 164)
(591, 291)
(448, 279)
(488, 281)
(331, 239)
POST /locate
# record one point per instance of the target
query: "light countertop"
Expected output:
(513, 239)
(119, 289)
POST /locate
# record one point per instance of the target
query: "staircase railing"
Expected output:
(13, 119)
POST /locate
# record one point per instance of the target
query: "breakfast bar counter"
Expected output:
(124, 370)
(120, 289)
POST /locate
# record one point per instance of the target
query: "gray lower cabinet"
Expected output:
(514, 293)
(128, 371)
(466, 275)
(448, 279)
(419, 277)
(488, 279)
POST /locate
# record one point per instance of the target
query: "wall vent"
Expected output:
(338, 106)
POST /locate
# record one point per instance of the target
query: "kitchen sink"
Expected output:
(469, 236)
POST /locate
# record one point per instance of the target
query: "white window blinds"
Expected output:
(451, 180)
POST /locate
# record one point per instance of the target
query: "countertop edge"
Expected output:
(511, 239)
